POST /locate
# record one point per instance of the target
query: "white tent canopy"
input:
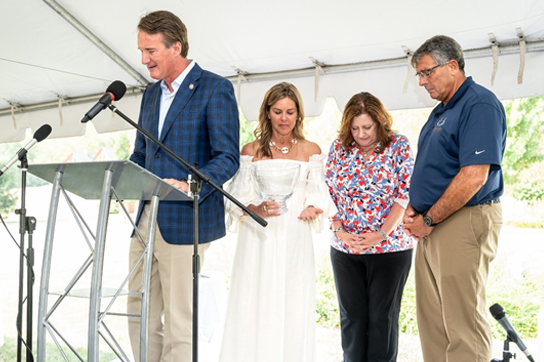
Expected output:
(58, 56)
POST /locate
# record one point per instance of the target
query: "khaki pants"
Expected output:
(170, 298)
(452, 266)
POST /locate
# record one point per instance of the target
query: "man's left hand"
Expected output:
(415, 227)
(178, 184)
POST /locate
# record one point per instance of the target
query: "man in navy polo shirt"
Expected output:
(454, 210)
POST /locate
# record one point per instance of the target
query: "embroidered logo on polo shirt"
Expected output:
(478, 152)
(439, 124)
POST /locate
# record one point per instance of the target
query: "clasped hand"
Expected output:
(413, 226)
(360, 243)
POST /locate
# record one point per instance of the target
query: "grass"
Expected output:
(8, 352)
(520, 299)
(326, 302)
(534, 224)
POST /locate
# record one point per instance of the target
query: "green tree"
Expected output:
(10, 180)
(122, 147)
(8, 195)
(246, 131)
(525, 140)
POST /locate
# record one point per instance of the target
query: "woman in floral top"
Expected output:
(368, 174)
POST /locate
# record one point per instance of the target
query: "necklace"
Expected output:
(284, 149)
(372, 147)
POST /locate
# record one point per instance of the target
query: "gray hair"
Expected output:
(442, 49)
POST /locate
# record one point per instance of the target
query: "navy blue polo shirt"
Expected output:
(469, 130)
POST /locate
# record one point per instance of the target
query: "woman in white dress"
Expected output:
(271, 306)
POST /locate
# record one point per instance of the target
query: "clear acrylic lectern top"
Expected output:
(131, 182)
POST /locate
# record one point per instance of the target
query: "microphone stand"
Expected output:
(26, 224)
(506, 354)
(194, 182)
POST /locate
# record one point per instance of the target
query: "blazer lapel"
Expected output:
(185, 92)
(154, 109)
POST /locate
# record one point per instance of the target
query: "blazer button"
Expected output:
(156, 156)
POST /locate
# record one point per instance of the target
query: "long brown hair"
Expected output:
(263, 132)
(366, 103)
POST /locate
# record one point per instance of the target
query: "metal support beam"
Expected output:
(97, 42)
(505, 49)
(66, 101)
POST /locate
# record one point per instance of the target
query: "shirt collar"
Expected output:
(178, 81)
(458, 94)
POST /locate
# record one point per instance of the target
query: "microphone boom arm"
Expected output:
(192, 169)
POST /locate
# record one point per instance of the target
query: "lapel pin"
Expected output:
(191, 86)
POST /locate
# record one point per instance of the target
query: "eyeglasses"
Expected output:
(425, 73)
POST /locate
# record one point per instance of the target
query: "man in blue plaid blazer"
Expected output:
(194, 113)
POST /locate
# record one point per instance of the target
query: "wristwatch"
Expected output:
(427, 220)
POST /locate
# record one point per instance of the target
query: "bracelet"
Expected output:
(383, 234)
(337, 230)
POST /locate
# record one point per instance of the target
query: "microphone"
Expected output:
(115, 92)
(38, 136)
(498, 313)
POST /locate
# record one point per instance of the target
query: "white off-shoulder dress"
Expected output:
(271, 306)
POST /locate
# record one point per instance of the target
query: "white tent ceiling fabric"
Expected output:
(44, 58)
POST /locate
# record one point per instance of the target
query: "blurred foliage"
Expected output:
(246, 130)
(8, 352)
(529, 191)
(122, 147)
(326, 302)
(407, 317)
(521, 300)
(525, 139)
(9, 182)
(54, 151)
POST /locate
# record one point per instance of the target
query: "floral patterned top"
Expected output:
(364, 191)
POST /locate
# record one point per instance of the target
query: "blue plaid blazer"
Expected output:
(201, 126)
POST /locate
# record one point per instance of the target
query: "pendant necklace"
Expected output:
(283, 150)
(371, 148)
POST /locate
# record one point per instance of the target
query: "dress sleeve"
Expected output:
(317, 193)
(331, 177)
(404, 166)
(242, 189)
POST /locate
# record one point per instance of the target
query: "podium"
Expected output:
(104, 181)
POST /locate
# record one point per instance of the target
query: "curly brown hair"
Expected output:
(263, 132)
(366, 103)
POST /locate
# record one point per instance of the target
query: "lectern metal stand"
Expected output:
(104, 181)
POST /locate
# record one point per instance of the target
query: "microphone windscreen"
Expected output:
(497, 311)
(42, 132)
(117, 89)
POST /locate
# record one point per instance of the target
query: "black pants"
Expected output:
(369, 291)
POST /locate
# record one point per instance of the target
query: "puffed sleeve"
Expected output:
(317, 193)
(242, 189)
